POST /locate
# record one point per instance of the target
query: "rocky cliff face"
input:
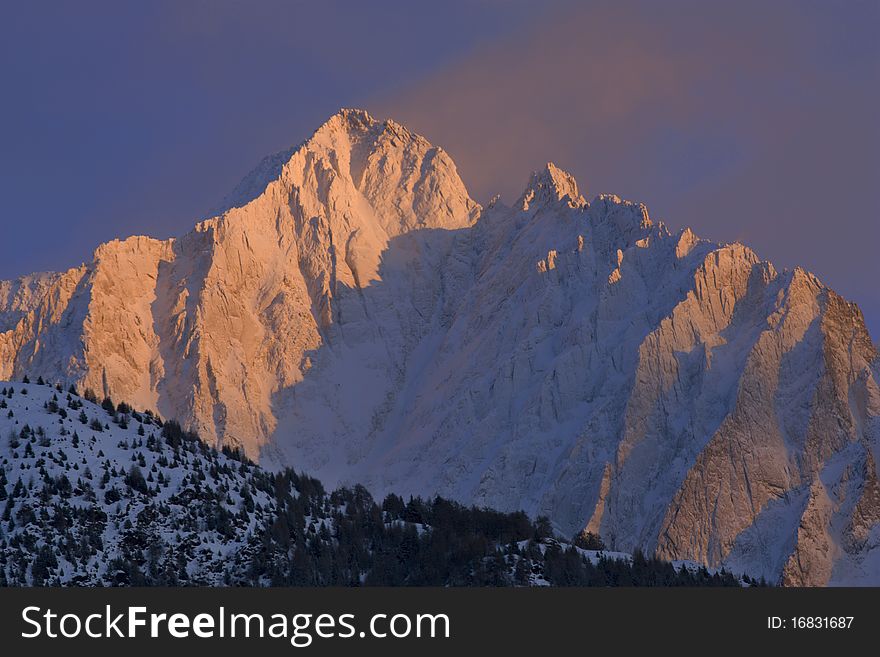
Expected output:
(354, 313)
(210, 326)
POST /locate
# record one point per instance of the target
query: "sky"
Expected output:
(749, 121)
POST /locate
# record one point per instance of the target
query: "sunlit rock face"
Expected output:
(351, 312)
(210, 326)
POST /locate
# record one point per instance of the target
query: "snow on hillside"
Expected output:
(99, 482)
(102, 495)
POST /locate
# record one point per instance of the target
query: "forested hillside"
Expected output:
(101, 494)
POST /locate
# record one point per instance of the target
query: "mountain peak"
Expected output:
(350, 134)
(355, 114)
(349, 120)
(551, 185)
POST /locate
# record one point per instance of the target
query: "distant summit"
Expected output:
(551, 184)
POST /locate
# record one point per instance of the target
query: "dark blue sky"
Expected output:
(754, 121)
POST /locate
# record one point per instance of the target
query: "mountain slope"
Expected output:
(354, 313)
(106, 496)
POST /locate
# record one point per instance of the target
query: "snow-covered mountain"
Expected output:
(353, 313)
